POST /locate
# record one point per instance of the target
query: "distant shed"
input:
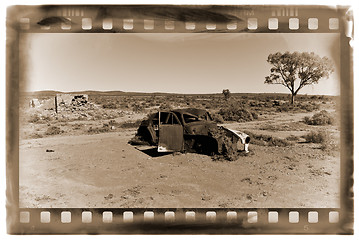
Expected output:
(34, 103)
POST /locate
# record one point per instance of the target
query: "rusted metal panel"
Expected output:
(170, 138)
(241, 138)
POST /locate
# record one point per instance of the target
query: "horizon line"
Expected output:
(174, 93)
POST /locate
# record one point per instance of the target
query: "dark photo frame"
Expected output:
(34, 209)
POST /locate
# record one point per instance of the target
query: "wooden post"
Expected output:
(56, 104)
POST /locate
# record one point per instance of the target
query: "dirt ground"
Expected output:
(103, 170)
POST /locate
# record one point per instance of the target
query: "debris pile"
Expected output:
(63, 107)
(71, 106)
(70, 102)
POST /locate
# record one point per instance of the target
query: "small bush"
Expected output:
(135, 124)
(53, 130)
(323, 138)
(287, 107)
(113, 123)
(137, 108)
(254, 115)
(97, 116)
(307, 120)
(316, 137)
(77, 126)
(103, 129)
(324, 145)
(35, 135)
(292, 138)
(165, 107)
(237, 114)
(309, 107)
(284, 107)
(276, 128)
(47, 118)
(217, 118)
(321, 118)
(314, 97)
(34, 118)
(110, 105)
(267, 140)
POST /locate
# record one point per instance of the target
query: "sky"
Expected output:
(169, 62)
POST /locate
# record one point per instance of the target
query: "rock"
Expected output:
(109, 196)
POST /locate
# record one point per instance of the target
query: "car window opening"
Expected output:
(190, 118)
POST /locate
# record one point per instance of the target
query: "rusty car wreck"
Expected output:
(189, 130)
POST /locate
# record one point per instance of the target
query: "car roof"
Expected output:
(192, 111)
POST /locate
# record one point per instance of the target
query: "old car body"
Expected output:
(188, 130)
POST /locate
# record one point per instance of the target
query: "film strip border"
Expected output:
(179, 221)
(169, 25)
(186, 19)
(191, 19)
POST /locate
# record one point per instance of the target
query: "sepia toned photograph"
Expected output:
(179, 120)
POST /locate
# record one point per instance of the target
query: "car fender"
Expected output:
(240, 136)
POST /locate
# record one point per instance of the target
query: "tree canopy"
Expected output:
(226, 93)
(296, 70)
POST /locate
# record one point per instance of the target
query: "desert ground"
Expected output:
(81, 158)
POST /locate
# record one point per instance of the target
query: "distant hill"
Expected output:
(51, 93)
(100, 93)
(89, 92)
(41, 93)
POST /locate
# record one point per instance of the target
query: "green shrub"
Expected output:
(321, 118)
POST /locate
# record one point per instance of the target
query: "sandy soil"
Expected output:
(102, 170)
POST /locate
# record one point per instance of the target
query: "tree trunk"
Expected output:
(292, 99)
(56, 104)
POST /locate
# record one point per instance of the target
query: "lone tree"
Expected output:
(226, 93)
(296, 70)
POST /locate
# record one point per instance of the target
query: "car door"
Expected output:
(170, 133)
